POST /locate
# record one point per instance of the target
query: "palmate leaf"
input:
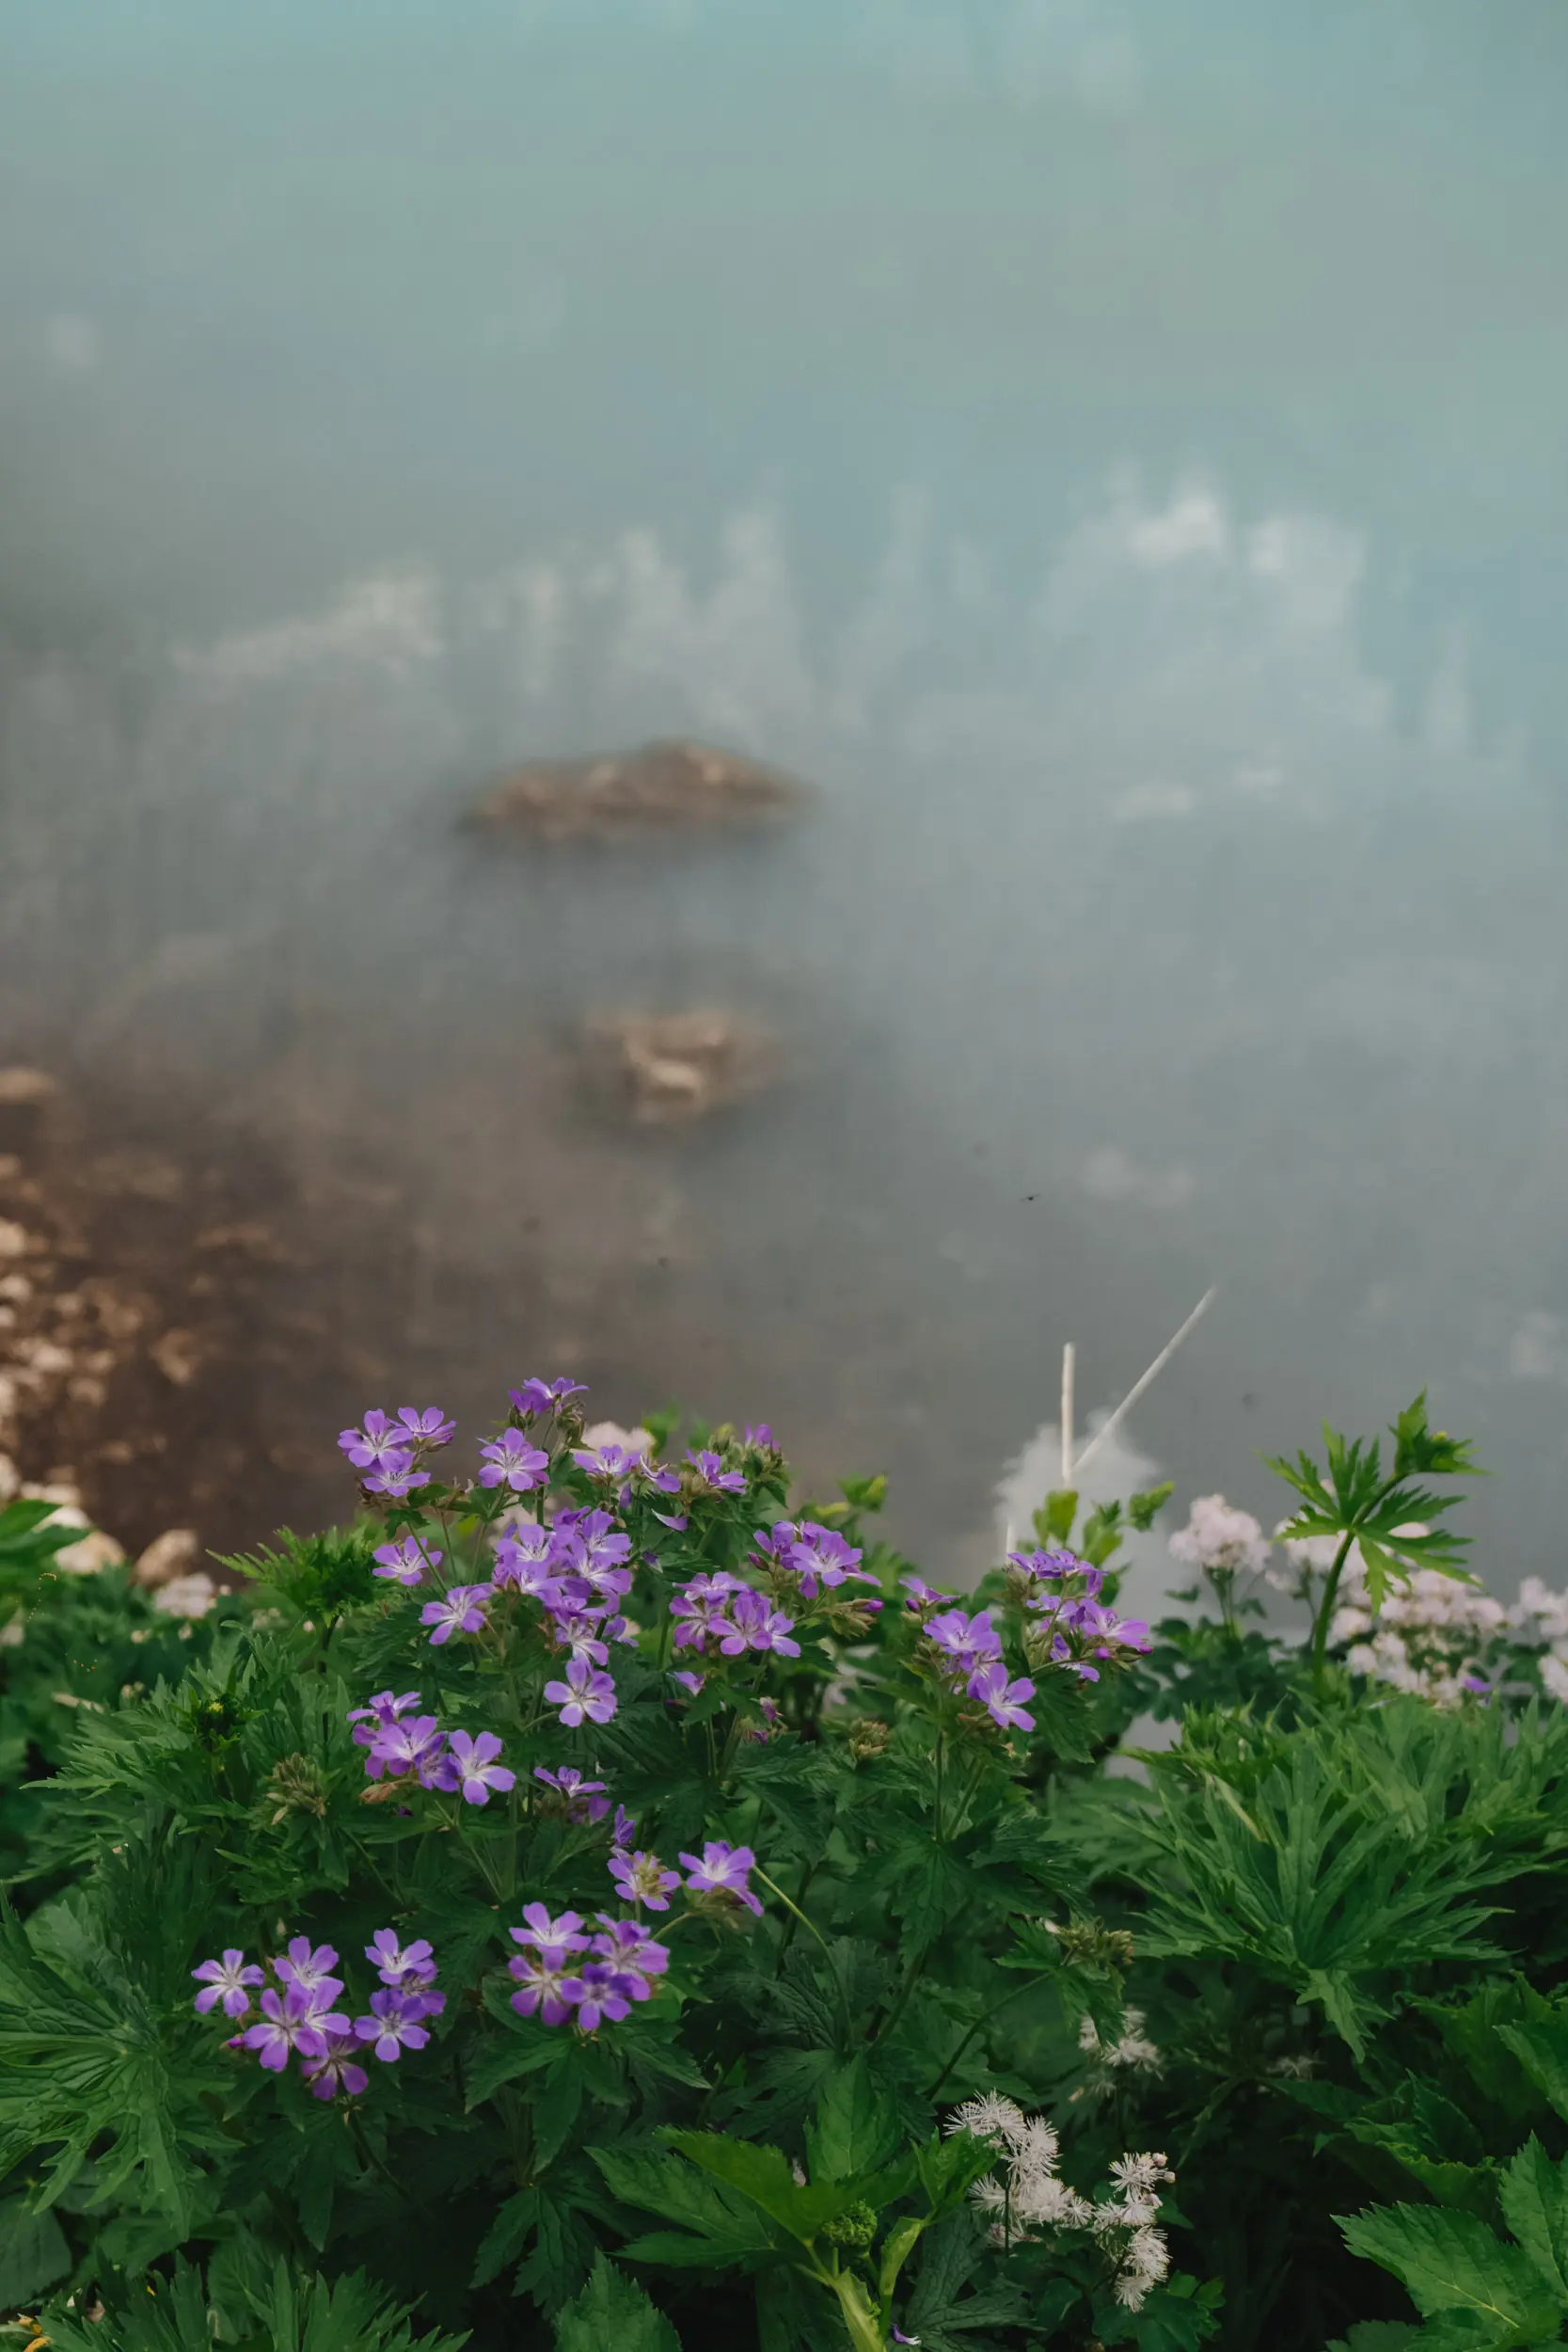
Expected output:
(280, 2311)
(91, 2062)
(1321, 1880)
(1382, 1512)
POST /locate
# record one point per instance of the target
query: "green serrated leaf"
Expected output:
(1533, 2196)
(856, 2126)
(32, 2253)
(1451, 2262)
(612, 2314)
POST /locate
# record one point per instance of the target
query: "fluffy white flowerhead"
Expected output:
(990, 2116)
(1218, 1536)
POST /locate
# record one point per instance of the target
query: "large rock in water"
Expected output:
(674, 787)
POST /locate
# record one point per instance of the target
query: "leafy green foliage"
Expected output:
(1315, 1951)
(269, 2310)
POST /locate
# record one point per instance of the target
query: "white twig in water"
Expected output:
(1069, 1468)
(1070, 1366)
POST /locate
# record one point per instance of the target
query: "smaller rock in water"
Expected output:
(668, 1069)
(674, 787)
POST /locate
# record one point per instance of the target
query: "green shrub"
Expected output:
(630, 1907)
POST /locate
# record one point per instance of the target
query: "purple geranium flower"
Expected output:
(286, 2023)
(1002, 1700)
(579, 1631)
(428, 1426)
(584, 1800)
(628, 1945)
(539, 1928)
(759, 1435)
(818, 1555)
(642, 1877)
(1104, 1632)
(689, 1681)
(965, 1642)
(546, 1979)
(1048, 1567)
(379, 1439)
(396, 1476)
(405, 1562)
(418, 1746)
(394, 2025)
(700, 1605)
(525, 1559)
(924, 1596)
(600, 1996)
(610, 1462)
(539, 1397)
(593, 1547)
(623, 1828)
(474, 1762)
(336, 2071)
(225, 1980)
(510, 1460)
(723, 1871)
(754, 1624)
(461, 1611)
(584, 1692)
(710, 1468)
(406, 1967)
(306, 1967)
(380, 1715)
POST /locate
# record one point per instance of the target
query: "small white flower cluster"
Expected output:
(1306, 1557)
(1218, 1538)
(1132, 2049)
(1027, 2195)
(1428, 1635)
(1539, 1619)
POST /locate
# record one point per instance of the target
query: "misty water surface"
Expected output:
(1113, 449)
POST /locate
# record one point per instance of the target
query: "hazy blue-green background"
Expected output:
(1116, 450)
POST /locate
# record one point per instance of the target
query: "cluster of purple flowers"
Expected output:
(815, 1559)
(722, 1614)
(967, 1653)
(1078, 1630)
(578, 1569)
(298, 2016)
(391, 1454)
(414, 1747)
(568, 1977)
(555, 1980)
(536, 1400)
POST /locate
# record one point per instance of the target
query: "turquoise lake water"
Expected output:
(1114, 449)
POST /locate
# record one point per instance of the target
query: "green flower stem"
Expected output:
(1325, 1611)
(982, 2021)
(813, 1930)
(758, 1873)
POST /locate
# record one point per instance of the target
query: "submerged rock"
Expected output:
(673, 787)
(667, 1069)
